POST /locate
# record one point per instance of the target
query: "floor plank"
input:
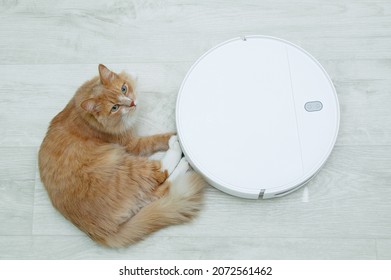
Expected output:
(364, 107)
(17, 200)
(383, 249)
(18, 163)
(168, 31)
(75, 247)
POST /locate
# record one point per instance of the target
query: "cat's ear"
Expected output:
(106, 76)
(89, 105)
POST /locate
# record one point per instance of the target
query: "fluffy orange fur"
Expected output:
(96, 170)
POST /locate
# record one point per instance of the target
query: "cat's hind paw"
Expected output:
(182, 167)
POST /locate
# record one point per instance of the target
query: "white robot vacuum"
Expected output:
(257, 117)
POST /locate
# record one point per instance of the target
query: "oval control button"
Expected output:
(313, 106)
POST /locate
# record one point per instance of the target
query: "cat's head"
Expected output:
(110, 100)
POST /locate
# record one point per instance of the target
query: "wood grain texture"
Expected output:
(383, 247)
(18, 163)
(48, 48)
(147, 31)
(80, 247)
(17, 200)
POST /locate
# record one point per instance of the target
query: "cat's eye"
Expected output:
(124, 89)
(115, 108)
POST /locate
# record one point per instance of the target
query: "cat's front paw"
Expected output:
(173, 155)
(173, 140)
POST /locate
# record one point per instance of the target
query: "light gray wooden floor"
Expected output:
(48, 48)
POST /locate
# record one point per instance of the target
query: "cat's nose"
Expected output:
(132, 104)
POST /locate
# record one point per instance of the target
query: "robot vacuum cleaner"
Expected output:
(257, 117)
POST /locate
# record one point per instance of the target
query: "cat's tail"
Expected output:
(179, 205)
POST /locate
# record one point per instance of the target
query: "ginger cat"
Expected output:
(96, 170)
